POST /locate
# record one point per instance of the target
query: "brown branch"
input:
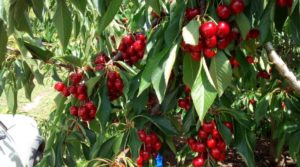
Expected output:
(282, 68)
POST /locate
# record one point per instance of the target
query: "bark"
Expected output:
(282, 68)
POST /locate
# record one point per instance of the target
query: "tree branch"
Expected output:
(282, 68)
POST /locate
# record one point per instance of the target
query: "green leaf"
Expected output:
(154, 5)
(106, 148)
(159, 83)
(190, 70)
(3, 41)
(63, 22)
(72, 60)
(281, 15)
(105, 108)
(127, 67)
(203, 92)
(169, 63)
(20, 19)
(11, 98)
(266, 21)
(292, 26)
(37, 52)
(163, 123)
(117, 145)
(109, 14)
(261, 109)
(243, 24)
(225, 132)
(221, 72)
(60, 102)
(134, 143)
(38, 7)
(91, 84)
(80, 5)
(243, 145)
(190, 33)
(169, 141)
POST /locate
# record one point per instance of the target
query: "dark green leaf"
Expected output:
(72, 60)
(63, 22)
(38, 7)
(225, 132)
(37, 52)
(190, 32)
(261, 109)
(3, 41)
(106, 150)
(190, 70)
(266, 21)
(91, 84)
(243, 24)
(134, 143)
(80, 5)
(11, 98)
(109, 14)
(164, 124)
(154, 5)
(105, 109)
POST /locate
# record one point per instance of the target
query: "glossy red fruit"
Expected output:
(250, 59)
(207, 126)
(196, 56)
(196, 48)
(82, 97)
(187, 90)
(223, 43)
(154, 138)
(252, 101)
(237, 6)
(200, 147)
(65, 92)
(92, 114)
(127, 40)
(146, 155)
(263, 74)
(223, 11)
(208, 29)
(221, 145)
(281, 3)
(289, 3)
(90, 105)
(140, 160)
(222, 156)
(253, 33)
(76, 77)
(148, 139)
(215, 134)
(138, 45)
(215, 153)
(140, 37)
(182, 103)
(209, 52)
(229, 125)
(72, 89)
(157, 146)
(191, 13)
(234, 62)
(142, 135)
(81, 89)
(74, 110)
(202, 134)
(82, 111)
(198, 161)
(119, 84)
(191, 141)
(211, 143)
(59, 86)
(211, 42)
(223, 29)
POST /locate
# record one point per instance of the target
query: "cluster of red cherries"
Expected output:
(209, 139)
(115, 85)
(87, 110)
(150, 148)
(132, 48)
(285, 3)
(100, 61)
(185, 103)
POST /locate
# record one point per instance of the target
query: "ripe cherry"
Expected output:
(127, 40)
(72, 89)
(253, 33)
(200, 147)
(237, 6)
(252, 101)
(223, 43)
(92, 114)
(146, 155)
(221, 145)
(90, 105)
(222, 156)
(289, 3)
(82, 97)
(198, 161)
(196, 56)
(207, 127)
(211, 42)
(202, 134)
(228, 125)
(215, 153)
(157, 146)
(140, 37)
(82, 111)
(191, 13)
(223, 29)
(65, 92)
(234, 62)
(250, 59)
(81, 89)
(74, 110)
(76, 77)
(59, 86)
(191, 141)
(281, 3)
(148, 139)
(142, 135)
(223, 11)
(138, 45)
(211, 143)
(140, 160)
(215, 134)
(196, 48)
(208, 29)
(209, 52)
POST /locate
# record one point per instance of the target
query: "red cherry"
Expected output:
(237, 6)
(148, 139)
(211, 143)
(65, 92)
(76, 77)
(207, 127)
(157, 146)
(215, 153)
(81, 89)
(250, 59)
(82, 97)
(202, 134)
(200, 147)
(149, 147)
(252, 101)
(154, 138)
(59, 86)
(222, 157)
(127, 40)
(223, 43)
(289, 3)
(142, 135)
(119, 84)
(191, 141)
(228, 125)
(196, 48)
(223, 29)
(221, 145)
(281, 3)
(191, 13)
(74, 110)
(253, 33)
(92, 114)
(146, 156)
(90, 105)
(140, 37)
(211, 42)
(208, 29)
(187, 90)
(215, 134)
(72, 89)
(140, 160)
(82, 111)
(198, 161)
(263, 74)
(223, 11)
(234, 62)
(209, 52)
(138, 45)
(196, 56)
(182, 103)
